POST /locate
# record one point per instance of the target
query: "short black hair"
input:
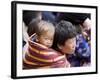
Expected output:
(64, 30)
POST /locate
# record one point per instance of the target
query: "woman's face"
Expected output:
(69, 46)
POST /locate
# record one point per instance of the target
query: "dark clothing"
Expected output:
(74, 18)
(48, 16)
(82, 53)
(28, 16)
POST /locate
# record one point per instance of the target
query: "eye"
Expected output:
(46, 38)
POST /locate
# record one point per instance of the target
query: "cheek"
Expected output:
(69, 48)
(42, 41)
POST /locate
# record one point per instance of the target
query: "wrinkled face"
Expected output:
(46, 38)
(69, 46)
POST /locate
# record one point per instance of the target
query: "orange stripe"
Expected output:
(59, 58)
(39, 59)
(41, 52)
(33, 64)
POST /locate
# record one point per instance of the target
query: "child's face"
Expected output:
(69, 46)
(46, 39)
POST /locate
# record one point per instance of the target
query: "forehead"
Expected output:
(48, 34)
(70, 40)
(48, 29)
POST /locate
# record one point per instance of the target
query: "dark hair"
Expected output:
(74, 18)
(28, 16)
(78, 29)
(64, 30)
(32, 27)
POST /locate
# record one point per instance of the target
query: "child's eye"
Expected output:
(45, 38)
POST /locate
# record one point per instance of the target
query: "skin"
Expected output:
(87, 24)
(69, 46)
(46, 38)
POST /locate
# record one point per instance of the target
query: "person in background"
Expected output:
(82, 52)
(28, 18)
(82, 19)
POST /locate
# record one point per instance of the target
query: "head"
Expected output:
(44, 32)
(65, 37)
(78, 29)
(86, 25)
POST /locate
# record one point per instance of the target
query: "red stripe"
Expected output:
(38, 47)
(47, 57)
(36, 61)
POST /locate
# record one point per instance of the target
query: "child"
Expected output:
(82, 52)
(39, 53)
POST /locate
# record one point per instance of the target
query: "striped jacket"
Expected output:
(39, 56)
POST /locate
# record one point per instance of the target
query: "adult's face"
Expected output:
(69, 46)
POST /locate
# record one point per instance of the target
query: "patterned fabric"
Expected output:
(82, 48)
(38, 56)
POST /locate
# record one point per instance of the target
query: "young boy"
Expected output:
(65, 39)
(82, 56)
(39, 53)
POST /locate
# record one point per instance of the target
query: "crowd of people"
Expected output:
(56, 39)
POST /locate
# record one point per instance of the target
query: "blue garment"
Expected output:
(83, 49)
(48, 16)
(74, 60)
